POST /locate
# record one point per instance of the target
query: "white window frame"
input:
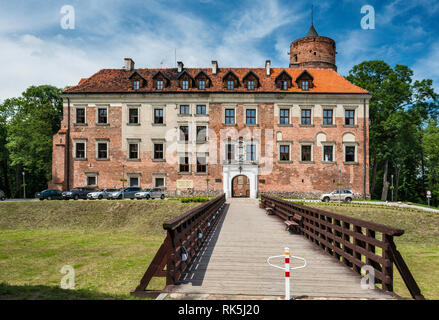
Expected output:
(302, 144)
(130, 142)
(312, 115)
(76, 141)
(332, 144)
(130, 107)
(85, 114)
(103, 141)
(97, 114)
(350, 144)
(290, 146)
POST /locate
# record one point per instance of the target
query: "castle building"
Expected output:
(296, 131)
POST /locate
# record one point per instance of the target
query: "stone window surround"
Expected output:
(107, 142)
(289, 106)
(80, 106)
(285, 143)
(153, 143)
(247, 107)
(334, 111)
(133, 141)
(310, 107)
(159, 175)
(102, 106)
(80, 140)
(201, 104)
(137, 175)
(235, 143)
(329, 143)
(228, 106)
(190, 162)
(153, 108)
(138, 107)
(200, 155)
(307, 143)
(350, 144)
(91, 175)
(355, 109)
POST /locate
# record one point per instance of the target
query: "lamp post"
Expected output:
(24, 185)
(339, 184)
(392, 187)
(123, 180)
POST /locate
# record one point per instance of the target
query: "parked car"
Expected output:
(49, 195)
(101, 194)
(151, 193)
(2, 196)
(343, 195)
(128, 193)
(77, 193)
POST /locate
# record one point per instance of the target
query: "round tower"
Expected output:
(313, 51)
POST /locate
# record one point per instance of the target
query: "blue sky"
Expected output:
(35, 49)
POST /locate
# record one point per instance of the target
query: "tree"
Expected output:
(31, 121)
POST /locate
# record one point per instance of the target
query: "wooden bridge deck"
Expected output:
(233, 261)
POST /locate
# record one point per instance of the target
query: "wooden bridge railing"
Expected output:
(185, 236)
(354, 242)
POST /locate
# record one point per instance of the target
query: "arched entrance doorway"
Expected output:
(240, 187)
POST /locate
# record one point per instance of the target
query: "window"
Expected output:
(304, 85)
(230, 116)
(201, 133)
(136, 85)
(349, 117)
(201, 109)
(306, 116)
(158, 116)
(327, 117)
(184, 109)
(102, 115)
(230, 152)
(350, 154)
(184, 164)
(251, 85)
(159, 84)
(80, 115)
(91, 180)
(284, 85)
(328, 152)
(284, 116)
(133, 115)
(250, 116)
(158, 151)
(102, 150)
(159, 182)
(185, 84)
(201, 164)
(230, 85)
(184, 133)
(202, 84)
(251, 152)
(80, 150)
(306, 153)
(284, 153)
(133, 151)
(134, 181)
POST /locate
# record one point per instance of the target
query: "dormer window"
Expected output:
(160, 80)
(230, 81)
(305, 81)
(230, 85)
(137, 81)
(202, 81)
(284, 81)
(251, 81)
(159, 84)
(185, 84)
(136, 85)
(202, 84)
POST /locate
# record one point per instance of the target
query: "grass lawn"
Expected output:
(419, 245)
(109, 244)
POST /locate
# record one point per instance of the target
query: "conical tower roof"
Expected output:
(312, 32)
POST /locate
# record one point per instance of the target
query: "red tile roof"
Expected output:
(117, 81)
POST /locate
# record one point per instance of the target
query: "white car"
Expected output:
(101, 194)
(343, 195)
(150, 194)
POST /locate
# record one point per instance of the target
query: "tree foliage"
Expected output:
(27, 124)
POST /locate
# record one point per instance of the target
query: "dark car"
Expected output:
(2, 196)
(77, 193)
(49, 195)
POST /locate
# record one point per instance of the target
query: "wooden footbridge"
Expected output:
(222, 247)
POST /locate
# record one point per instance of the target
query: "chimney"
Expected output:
(129, 64)
(180, 66)
(267, 67)
(214, 67)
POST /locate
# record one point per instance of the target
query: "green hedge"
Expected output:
(195, 199)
